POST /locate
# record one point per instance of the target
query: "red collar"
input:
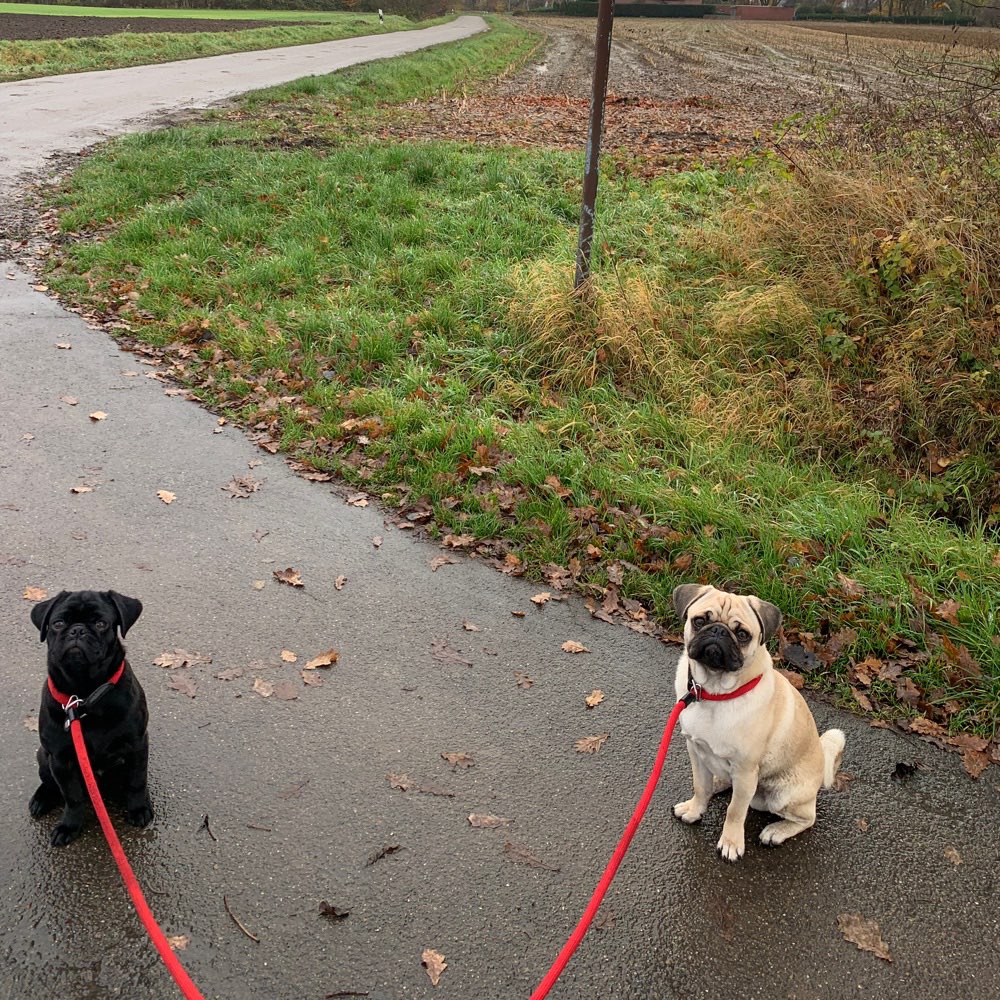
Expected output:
(64, 699)
(697, 693)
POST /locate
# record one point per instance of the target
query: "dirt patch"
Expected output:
(39, 27)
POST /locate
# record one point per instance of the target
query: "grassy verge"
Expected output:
(401, 315)
(187, 13)
(22, 60)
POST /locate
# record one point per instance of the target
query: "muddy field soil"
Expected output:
(37, 27)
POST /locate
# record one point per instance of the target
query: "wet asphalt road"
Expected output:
(296, 792)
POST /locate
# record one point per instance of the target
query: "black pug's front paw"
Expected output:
(65, 834)
(140, 816)
(43, 801)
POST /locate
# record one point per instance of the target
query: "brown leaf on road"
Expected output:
(64, 347)
(81, 489)
(183, 684)
(288, 656)
(178, 942)
(258, 584)
(230, 674)
(458, 541)
(400, 781)
(35, 593)
(594, 698)
(181, 658)
(520, 854)
(862, 823)
(289, 576)
(518, 614)
(166, 496)
(285, 691)
(241, 487)
(338, 584)
(542, 598)
(311, 678)
(458, 759)
(952, 855)
(262, 687)
(522, 679)
(470, 627)
(382, 852)
(357, 499)
(975, 762)
(842, 781)
(69, 400)
(590, 744)
(486, 821)
(441, 650)
(438, 561)
(572, 646)
(333, 912)
(327, 659)
(377, 541)
(433, 961)
(30, 723)
(863, 933)
(97, 415)
(405, 783)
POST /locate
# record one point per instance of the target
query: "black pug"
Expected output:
(85, 654)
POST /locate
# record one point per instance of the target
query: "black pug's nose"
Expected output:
(76, 632)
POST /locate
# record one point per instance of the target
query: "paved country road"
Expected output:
(296, 793)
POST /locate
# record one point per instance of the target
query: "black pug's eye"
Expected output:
(57, 625)
(743, 635)
(100, 624)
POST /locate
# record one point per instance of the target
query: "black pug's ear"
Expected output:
(128, 608)
(41, 613)
(685, 595)
(768, 615)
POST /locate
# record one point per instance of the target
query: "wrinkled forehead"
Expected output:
(729, 608)
(82, 605)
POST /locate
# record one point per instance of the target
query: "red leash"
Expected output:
(157, 936)
(695, 693)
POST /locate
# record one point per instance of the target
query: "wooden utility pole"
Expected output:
(602, 56)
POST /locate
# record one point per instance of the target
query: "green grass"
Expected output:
(71, 10)
(21, 60)
(373, 307)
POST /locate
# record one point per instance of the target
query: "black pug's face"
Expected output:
(81, 629)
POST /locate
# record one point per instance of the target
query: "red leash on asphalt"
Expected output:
(157, 936)
(695, 693)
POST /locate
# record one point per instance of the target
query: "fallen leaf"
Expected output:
(433, 961)
(230, 674)
(289, 576)
(258, 584)
(590, 744)
(572, 646)
(469, 627)
(521, 854)
(82, 489)
(183, 684)
(518, 614)
(288, 656)
(338, 584)
(522, 679)
(975, 762)
(311, 678)
(97, 415)
(458, 541)
(240, 487)
(285, 691)
(458, 759)
(400, 781)
(358, 499)
(264, 688)
(31, 723)
(64, 347)
(540, 599)
(382, 852)
(438, 561)
(953, 856)
(377, 541)
(327, 659)
(948, 611)
(442, 650)
(181, 658)
(594, 698)
(486, 821)
(178, 942)
(166, 496)
(35, 593)
(862, 824)
(849, 587)
(333, 912)
(863, 933)
(842, 781)
(40, 288)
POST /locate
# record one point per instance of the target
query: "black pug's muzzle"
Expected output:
(715, 648)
